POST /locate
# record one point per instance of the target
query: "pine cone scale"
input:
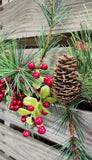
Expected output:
(66, 86)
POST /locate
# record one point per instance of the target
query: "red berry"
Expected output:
(31, 65)
(1, 95)
(18, 95)
(14, 98)
(27, 116)
(39, 120)
(23, 119)
(36, 75)
(21, 79)
(46, 104)
(39, 90)
(15, 92)
(28, 87)
(47, 77)
(3, 91)
(16, 107)
(11, 107)
(41, 129)
(48, 82)
(19, 102)
(44, 66)
(23, 95)
(30, 108)
(80, 44)
(83, 46)
(2, 81)
(26, 133)
(8, 79)
(44, 113)
(14, 102)
(1, 85)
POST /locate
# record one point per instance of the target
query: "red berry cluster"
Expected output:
(3, 87)
(17, 101)
(36, 122)
(41, 129)
(48, 81)
(80, 44)
(39, 120)
(18, 96)
(36, 74)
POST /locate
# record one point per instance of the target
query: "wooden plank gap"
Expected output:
(38, 137)
(11, 158)
(31, 42)
(1, 152)
(2, 121)
(15, 127)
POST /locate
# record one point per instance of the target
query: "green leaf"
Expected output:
(41, 79)
(45, 110)
(51, 99)
(36, 113)
(45, 91)
(29, 120)
(32, 133)
(23, 112)
(30, 101)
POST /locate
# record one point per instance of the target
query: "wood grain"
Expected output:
(50, 134)
(26, 17)
(15, 145)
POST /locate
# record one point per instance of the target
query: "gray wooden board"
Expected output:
(50, 135)
(51, 58)
(15, 145)
(26, 17)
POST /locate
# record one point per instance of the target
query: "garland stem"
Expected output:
(48, 40)
(72, 133)
(47, 44)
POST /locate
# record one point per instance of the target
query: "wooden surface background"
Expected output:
(13, 144)
(26, 18)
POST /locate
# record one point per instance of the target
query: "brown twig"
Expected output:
(72, 133)
(48, 40)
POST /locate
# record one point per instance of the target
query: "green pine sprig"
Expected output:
(54, 12)
(73, 150)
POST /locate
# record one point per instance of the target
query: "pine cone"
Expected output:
(66, 87)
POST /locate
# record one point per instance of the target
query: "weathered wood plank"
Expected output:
(15, 145)
(50, 59)
(2, 158)
(26, 17)
(50, 134)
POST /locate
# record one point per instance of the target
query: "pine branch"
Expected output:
(53, 15)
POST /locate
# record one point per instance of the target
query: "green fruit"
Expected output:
(45, 91)
(30, 101)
